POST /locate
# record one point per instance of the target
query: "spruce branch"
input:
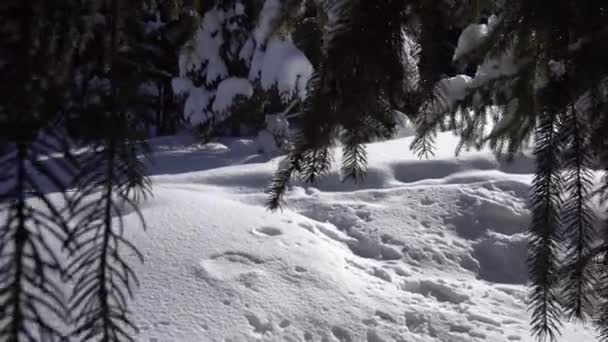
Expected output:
(29, 262)
(545, 240)
(577, 216)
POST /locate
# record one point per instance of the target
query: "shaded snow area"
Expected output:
(425, 250)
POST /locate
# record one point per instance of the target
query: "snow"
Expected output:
(425, 250)
(228, 89)
(283, 65)
(196, 104)
(204, 48)
(470, 38)
(239, 9)
(473, 35)
(274, 138)
(246, 52)
(181, 85)
(490, 69)
(270, 11)
(558, 68)
(455, 88)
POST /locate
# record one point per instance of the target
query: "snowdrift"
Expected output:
(425, 250)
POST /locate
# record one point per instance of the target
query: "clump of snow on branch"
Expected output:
(283, 65)
(274, 139)
(196, 104)
(270, 12)
(472, 36)
(228, 89)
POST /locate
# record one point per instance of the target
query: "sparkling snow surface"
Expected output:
(425, 250)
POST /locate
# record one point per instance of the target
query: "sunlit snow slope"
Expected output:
(425, 250)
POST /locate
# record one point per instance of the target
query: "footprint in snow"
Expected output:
(300, 269)
(267, 231)
(257, 324)
(341, 334)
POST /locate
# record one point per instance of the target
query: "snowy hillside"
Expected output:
(430, 250)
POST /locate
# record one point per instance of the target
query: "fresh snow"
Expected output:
(424, 251)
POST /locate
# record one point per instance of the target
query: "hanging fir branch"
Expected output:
(359, 82)
(544, 239)
(310, 157)
(110, 183)
(103, 279)
(578, 218)
(31, 295)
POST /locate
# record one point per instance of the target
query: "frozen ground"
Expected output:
(430, 250)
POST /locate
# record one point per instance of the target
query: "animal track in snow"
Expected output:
(385, 316)
(380, 273)
(372, 336)
(300, 269)
(238, 257)
(502, 258)
(307, 225)
(267, 231)
(416, 321)
(341, 334)
(441, 292)
(257, 324)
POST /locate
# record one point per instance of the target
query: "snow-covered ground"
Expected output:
(425, 250)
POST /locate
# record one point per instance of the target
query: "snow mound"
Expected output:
(426, 251)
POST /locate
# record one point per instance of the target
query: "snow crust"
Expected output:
(424, 251)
